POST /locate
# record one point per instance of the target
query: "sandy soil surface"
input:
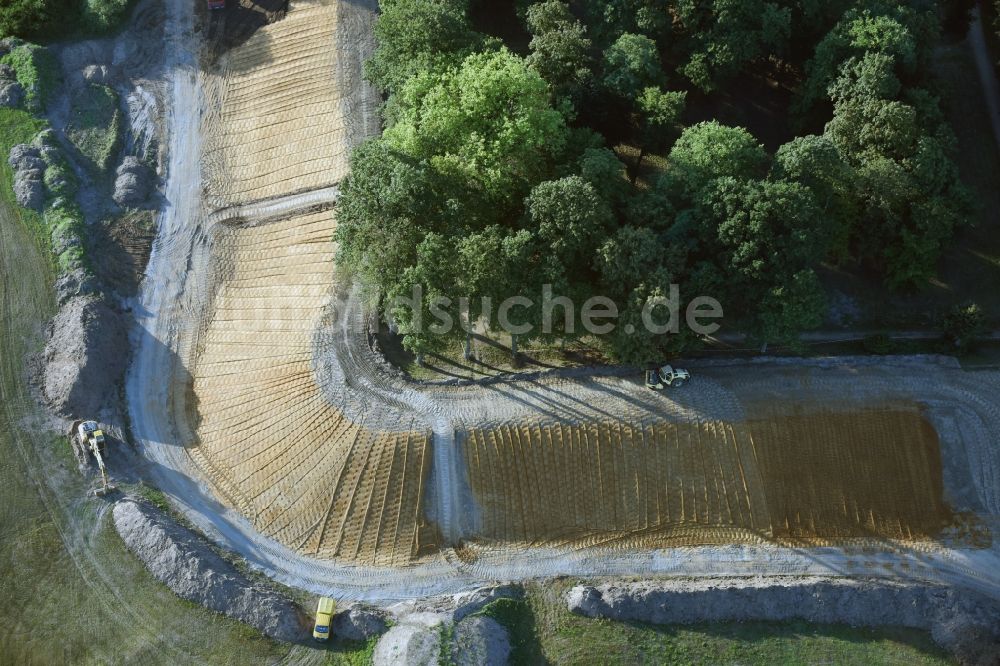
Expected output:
(275, 124)
(252, 407)
(280, 453)
(809, 478)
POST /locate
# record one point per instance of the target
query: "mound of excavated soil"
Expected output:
(84, 358)
(480, 641)
(185, 563)
(413, 644)
(359, 624)
(960, 621)
(418, 638)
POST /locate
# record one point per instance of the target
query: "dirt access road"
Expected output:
(191, 305)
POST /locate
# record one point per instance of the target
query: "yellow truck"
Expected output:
(324, 617)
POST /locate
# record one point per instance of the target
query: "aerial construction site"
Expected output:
(329, 462)
(258, 402)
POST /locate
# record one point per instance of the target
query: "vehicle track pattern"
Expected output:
(814, 479)
(274, 448)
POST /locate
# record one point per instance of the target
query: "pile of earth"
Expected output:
(133, 183)
(187, 565)
(418, 640)
(85, 358)
(29, 174)
(960, 621)
(11, 92)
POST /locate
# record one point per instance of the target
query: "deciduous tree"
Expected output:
(416, 36)
(726, 35)
(488, 121)
(569, 217)
(631, 65)
(710, 150)
(560, 48)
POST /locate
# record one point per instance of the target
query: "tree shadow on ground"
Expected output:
(233, 26)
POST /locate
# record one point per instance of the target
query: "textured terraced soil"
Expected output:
(275, 123)
(267, 437)
(816, 477)
(852, 474)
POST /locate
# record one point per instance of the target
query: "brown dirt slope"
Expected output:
(815, 477)
(288, 459)
(275, 124)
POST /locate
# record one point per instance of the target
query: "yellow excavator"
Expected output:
(88, 436)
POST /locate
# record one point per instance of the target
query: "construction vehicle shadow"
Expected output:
(554, 400)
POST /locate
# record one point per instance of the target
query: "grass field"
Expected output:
(72, 593)
(20, 127)
(543, 631)
(37, 70)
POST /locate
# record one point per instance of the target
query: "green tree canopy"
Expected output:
(766, 230)
(710, 150)
(631, 255)
(560, 48)
(763, 238)
(788, 309)
(416, 36)
(569, 216)
(385, 202)
(815, 162)
(611, 18)
(895, 30)
(606, 174)
(659, 113)
(726, 35)
(631, 65)
(493, 176)
(488, 122)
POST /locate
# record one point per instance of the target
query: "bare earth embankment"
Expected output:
(276, 125)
